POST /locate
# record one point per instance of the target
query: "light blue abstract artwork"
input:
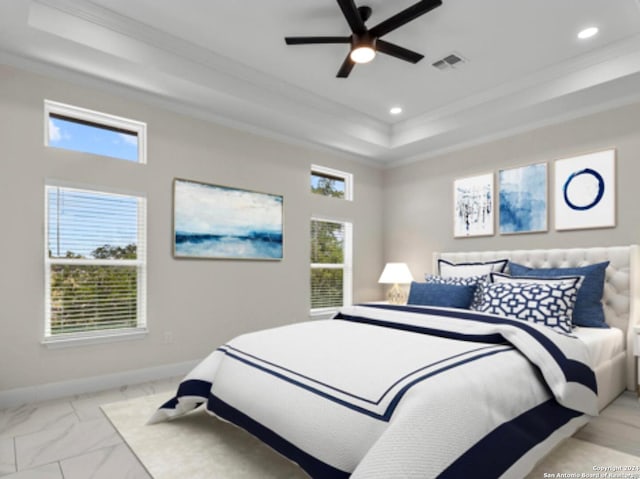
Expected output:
(523, 199)
(213, 221)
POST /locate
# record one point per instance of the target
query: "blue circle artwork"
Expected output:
(596, 198)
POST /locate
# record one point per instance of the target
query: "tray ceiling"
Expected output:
(227, 61)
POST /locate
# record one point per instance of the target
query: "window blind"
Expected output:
(95, 261)
(329, 271)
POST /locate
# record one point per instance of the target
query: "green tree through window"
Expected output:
(326, 186)
(91, 297)
(327, 264)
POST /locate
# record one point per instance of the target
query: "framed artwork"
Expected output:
(522, 193)
(585, 191)
(211, 221)
(473, 204)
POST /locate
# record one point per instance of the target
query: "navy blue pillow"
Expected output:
(588, 310)
(445, 295)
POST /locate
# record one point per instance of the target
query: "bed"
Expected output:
(386, 392)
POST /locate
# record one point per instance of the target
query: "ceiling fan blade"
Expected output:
(313, 40)
(351, 14)
(346, 67)
(405, 16)
(398, 51)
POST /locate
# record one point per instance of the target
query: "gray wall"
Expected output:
(201, 302)
(418, 197)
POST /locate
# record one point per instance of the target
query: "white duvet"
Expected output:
(399, 392)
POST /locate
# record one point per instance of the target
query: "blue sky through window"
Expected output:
(338, 184)
(77, 136)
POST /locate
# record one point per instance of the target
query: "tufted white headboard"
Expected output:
(621, 299)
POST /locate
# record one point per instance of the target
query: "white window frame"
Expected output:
(98, 118)
(343, 175)
(98, 336)
(346, 266)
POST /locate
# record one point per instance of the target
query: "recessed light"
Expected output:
(587, 33)
(396, 110)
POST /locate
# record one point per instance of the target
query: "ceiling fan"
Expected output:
(366, 41)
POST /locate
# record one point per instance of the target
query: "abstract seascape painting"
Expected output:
(211, 221)
(523, 199)
(473, 206)
(585, 191)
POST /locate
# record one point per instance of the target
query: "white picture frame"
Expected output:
(473, 206)
(585, 191)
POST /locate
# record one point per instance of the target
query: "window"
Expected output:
(332, 183)
(330, 265)
(79, 129)
(95, 263)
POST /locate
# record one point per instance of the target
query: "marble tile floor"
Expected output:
(72, 439)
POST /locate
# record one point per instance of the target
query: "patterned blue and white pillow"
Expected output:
(548, 304)
(477, 281)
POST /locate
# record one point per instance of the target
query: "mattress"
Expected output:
(603, 344)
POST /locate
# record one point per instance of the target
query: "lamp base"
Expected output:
(396, 295)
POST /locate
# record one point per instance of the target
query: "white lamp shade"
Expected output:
(396, 273)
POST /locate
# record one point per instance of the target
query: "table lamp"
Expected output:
(396, 274)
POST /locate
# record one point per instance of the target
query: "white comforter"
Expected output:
(399, 392)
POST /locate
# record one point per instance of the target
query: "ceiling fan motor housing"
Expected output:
(364, 40)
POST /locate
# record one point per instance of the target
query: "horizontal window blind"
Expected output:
(330, 271)
(326, 288)
(95, 261)
(327, 242)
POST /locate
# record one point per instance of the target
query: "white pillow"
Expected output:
(447, 269)
(575, 281)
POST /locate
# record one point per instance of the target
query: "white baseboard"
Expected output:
(49, 391)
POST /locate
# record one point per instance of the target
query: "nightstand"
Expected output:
(636, 352)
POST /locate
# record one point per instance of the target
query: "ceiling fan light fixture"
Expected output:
(363, 54)
(363, 48)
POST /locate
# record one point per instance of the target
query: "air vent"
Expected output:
(453, 60)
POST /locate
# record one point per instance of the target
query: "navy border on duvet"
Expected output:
(574, 371)
(386, 416)
(190, 387)
(513, 439)
(224, 349)
(314, 467)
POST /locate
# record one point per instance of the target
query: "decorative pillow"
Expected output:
(567, 280)
(588, 310)
(476, 281)
(464, 270)
(548, 304)
(446, 295)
